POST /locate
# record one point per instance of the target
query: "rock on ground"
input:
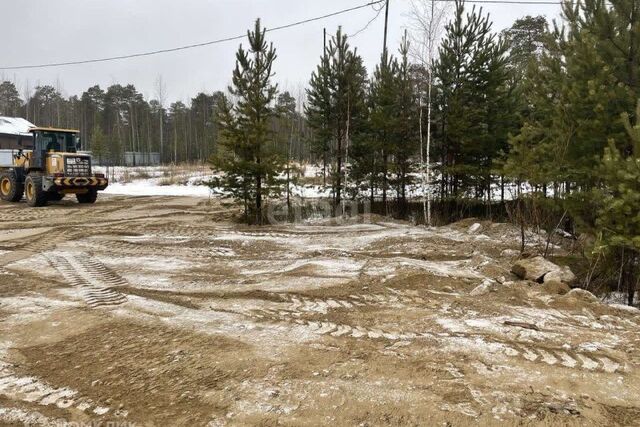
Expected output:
(564, 275)
(539, 269)
(475, 228)
(582, 295)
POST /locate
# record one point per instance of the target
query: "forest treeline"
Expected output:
(551, 108)
(119, 118)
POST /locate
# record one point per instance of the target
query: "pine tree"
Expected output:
(250, 168)
(98, 146)
(525, 40)
(383, 118)
(537, 153)
(574, 93)
(601, 45)
(10, 102)
(336, 107)
(287, 119)
(469, 75)
(318, 110)
(405, 132)
(618, 220)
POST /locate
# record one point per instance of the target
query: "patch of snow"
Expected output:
(452, 325)
(16, 416)
(149, 188)
(624, 307)
(619, 298)
(25, 309)
(475, 228)
(152, 263)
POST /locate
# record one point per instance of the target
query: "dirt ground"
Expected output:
(161, 311)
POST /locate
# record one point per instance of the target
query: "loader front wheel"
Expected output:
(10, 189)
(34, 193)
(88, 197)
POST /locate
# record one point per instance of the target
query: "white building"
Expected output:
(14, 133)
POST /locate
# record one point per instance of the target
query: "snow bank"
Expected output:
(148, 188)
(157, 181)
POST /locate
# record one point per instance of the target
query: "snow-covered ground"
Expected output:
(185, 181)
(158, 180)
(193, 181)
(148, 188)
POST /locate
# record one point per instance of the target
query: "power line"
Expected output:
(191, 46)
(368, 23)
(282, 27)
(525, 2)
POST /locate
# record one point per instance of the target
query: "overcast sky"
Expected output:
(43, 31)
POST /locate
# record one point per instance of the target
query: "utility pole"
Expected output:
(324, 149)
(324, 38)
(386, 20)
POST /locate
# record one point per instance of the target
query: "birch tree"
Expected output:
(426, 22)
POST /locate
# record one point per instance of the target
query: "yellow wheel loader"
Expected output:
(48, 171)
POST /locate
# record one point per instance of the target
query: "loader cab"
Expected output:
(51, 140)
(57, 141)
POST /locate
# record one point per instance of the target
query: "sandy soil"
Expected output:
(161, 311)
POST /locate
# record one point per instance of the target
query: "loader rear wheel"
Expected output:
(89, 197)
(34, 193)
(10, 189)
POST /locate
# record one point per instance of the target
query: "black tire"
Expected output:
(33, 191)
(55, 197)
(11, 190)
(89, 197)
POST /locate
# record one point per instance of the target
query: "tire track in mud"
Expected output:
(47, 239)
(177, 231)
(206, 234)
(549, 355)
(22, 248)
(92, 278)
(100, 272)
(33, 390)
(23, 215)
(73, 214)
(322, 305)
(155, 248)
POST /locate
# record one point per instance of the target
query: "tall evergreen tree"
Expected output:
(250, 168)
(406, 133)
(318, 110)
(525, 40)
(618, 219)
(575, 91)
(10, 102)
(470, 74)
(537, 153)
(286, 129)
(336, 107)
(383, 117)
(99, 147)
(601, 51)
